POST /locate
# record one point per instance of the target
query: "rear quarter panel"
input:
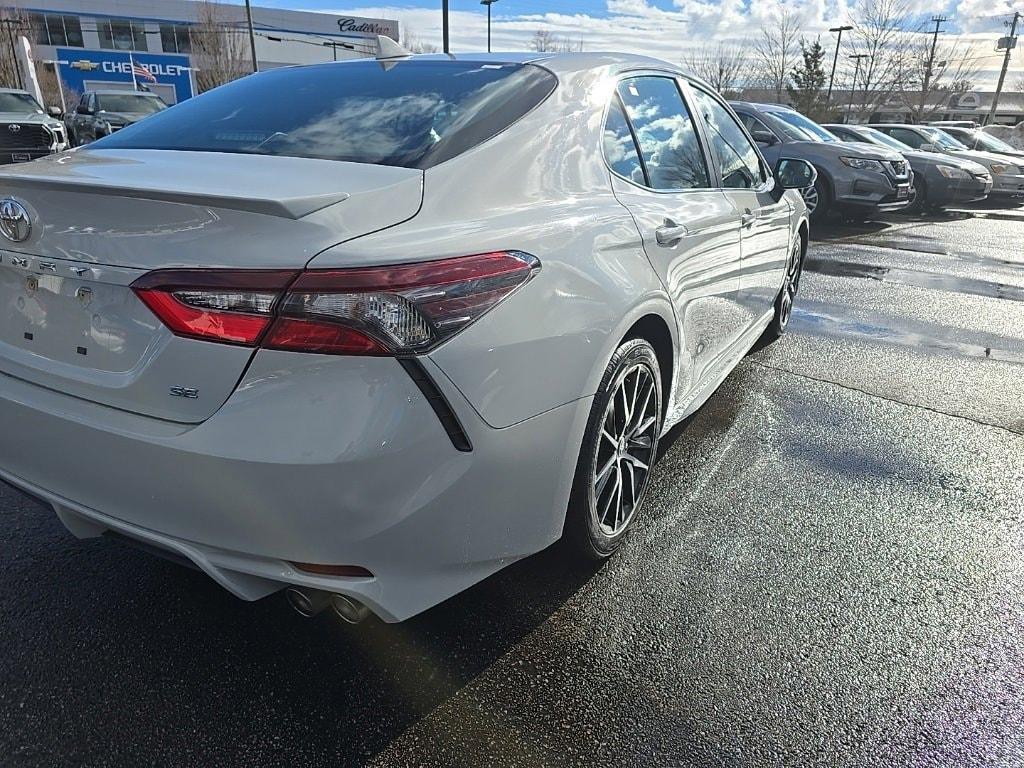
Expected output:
(541, 187)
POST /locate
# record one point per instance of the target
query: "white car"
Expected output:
(371, 331)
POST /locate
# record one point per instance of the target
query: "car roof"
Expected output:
(761, 106)
(117, 92)
(558, 63)
(911, 126)
(14, 90)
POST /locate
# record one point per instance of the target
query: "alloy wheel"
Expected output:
(791, 285)
(811, 198)
(626, 448)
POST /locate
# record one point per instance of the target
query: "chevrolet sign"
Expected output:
(85, 65)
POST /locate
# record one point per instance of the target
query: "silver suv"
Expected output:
(26, 130)
(855, 180)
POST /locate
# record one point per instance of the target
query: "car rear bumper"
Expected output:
(323, 460)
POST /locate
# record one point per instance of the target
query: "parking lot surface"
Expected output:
(830, 572)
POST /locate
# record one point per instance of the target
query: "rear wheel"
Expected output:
(787, 296)
(618, 451)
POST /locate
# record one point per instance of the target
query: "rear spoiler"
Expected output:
(284, 207)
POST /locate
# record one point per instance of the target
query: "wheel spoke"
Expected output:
(603, 517)
(602, 476)
(644, 426)
(609, 437)
(635, 462)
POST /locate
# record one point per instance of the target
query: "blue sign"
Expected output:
(95, 70)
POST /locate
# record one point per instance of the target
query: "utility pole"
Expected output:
(444, 26)
(835, 58)
(488, 3)
(856, 71)
(938, 21)
(11, 24)
(252, 35)
(1011, 43)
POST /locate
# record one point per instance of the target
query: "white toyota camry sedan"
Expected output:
(370, 331)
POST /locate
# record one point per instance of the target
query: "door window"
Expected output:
(910, 138)
(671, 152)
(737, 158)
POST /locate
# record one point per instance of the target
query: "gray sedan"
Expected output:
(939, 180)
(855, 180)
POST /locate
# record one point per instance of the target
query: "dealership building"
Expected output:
(95, 43)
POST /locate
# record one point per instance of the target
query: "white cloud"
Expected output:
(637, 26)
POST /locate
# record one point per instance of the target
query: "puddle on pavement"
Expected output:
(818, 320)
(918, 278)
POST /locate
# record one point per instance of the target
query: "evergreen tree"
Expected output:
(807, 82)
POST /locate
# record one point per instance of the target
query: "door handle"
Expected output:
(748, 219)
(670, 233)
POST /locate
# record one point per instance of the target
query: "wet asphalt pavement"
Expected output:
(829, 572)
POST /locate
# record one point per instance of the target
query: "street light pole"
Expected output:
(444, 26)
(488, 3)
(252, 35)
(835, 58)
(856, 71)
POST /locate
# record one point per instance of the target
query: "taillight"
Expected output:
(391, 310)
(233, 307)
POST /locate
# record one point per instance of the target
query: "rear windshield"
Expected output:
(126, 102)
(414, 114)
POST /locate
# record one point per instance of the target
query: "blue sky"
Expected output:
(669, 29)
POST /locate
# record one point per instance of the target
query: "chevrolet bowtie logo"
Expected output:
(85, 65)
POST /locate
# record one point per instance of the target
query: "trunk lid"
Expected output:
(101, 219)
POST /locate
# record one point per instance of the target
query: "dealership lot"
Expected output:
(830, 572)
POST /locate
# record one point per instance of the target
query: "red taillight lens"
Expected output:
(214, 305)
(401, 309)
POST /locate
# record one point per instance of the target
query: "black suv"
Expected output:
(101, 113)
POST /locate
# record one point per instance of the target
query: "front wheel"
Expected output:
(619, 448)
(817, 198)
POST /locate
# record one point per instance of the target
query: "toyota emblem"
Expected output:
(14, 221)
(14, 128)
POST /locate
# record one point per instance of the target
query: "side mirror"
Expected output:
(792, 173)
(930, 147)
(55, 112)
(765, 137)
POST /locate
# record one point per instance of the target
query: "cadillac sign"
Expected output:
(352, 25)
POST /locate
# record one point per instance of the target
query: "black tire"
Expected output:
(824, 199)
(920, 202)
(586, 529)
(787, 295)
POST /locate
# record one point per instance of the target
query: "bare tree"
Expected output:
(925, 80)
(544, 41)
(777, 50)
(879, 36)
(721, 66)
(8, 64)
(219, 47)
(412, 42)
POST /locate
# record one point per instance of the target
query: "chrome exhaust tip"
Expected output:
(307, 602)
(349, 609)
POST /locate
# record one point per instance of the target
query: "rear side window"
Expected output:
(910, 138)
(414, 114)
(664, 129)
(619, 147)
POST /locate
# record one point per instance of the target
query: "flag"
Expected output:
(142, 72)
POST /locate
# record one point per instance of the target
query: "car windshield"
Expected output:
(799, 128)
(414, 114)
(942, 138)
(882, 139)
(18, 102)
(128, 102)
(990, 143)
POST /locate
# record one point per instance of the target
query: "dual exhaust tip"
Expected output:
(312, 602)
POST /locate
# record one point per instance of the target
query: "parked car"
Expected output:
(981, 141)
(953, 123)
(27, 131)
(854, 180)
(1007, 175)
(939, 180)
(101, 113)
(371, 333)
